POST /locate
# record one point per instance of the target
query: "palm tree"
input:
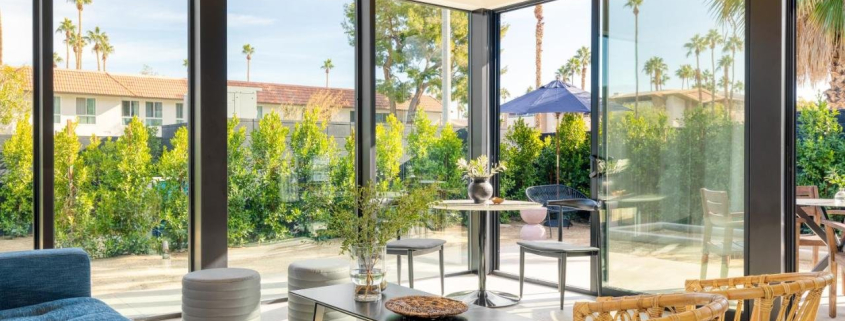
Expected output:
(96, 37)
(248, 50)
(696, 45)
(79, 6)
(575, 65)
(56, 60)
(714, 38)
(563, 72)
(725, 63)
(106, 49)
(67, 27)
(583, 54)
(538, 56)
(656, 68)
(706, 74)
(78, 43)
(327, 66)
(635, 7)
(733, 44)
(685, 73)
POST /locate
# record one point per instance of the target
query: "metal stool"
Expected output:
(561, 250)
(412, 247)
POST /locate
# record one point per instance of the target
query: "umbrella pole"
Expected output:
(557, 149)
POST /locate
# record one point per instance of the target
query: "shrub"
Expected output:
(820, 146)
(520, 149)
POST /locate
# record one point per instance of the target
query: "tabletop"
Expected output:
(469, 205)
(339, 297)
(825, 202)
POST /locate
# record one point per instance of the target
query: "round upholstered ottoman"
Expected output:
(221, 294)
(312, 274)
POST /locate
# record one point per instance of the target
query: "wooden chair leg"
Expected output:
(705, 260)
(815, 255)
(832, 294)
(726, 261)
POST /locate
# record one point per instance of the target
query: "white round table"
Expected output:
(482, 296)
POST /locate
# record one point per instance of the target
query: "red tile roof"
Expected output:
(141, 86)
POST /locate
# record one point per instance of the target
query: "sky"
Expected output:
(293, 38)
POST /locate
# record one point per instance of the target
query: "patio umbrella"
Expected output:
(556, 97)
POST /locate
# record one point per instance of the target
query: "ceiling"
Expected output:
(472, 4)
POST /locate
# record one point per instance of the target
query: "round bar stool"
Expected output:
(314, 273)
(221, 294)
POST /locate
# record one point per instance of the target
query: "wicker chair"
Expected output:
(681, 307)
(544, 193)
(798, 294)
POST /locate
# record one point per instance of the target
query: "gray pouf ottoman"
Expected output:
(221, 294)
(312, 274)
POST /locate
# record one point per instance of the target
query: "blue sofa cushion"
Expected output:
(73, 309)
(33, 277)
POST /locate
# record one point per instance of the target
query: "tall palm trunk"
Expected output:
(538, 59)
(636, 60)
(104, 63)
(247, 69)
(583, 77)
(67, 49)
(727, 98)
(327, 78)
(713, 77)
(698, 77)
(733, 76)
(836, 93)
(78, 44)
(97, 54)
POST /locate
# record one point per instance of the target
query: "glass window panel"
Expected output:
(417, 146)
(529, 143)
(16, 182)
(673, 131)
(120, 188)
(291, 160)
(57, 110)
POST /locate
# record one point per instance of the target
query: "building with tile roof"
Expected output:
(103, 102)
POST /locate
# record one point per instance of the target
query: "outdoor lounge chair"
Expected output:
(716, 206)
(674, 307)
(813, 212)
(796, 295)
(544, 193)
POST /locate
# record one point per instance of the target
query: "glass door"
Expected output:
(670, 142)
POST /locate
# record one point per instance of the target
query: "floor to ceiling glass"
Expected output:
(545, 151)
(421, 122)
(672, 142)
(16, 202)
(291, 146)
(121, 147)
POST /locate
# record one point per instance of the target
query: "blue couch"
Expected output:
(48, 285)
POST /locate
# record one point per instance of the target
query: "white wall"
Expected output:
(109, 113)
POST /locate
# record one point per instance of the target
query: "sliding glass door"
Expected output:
(671, 148)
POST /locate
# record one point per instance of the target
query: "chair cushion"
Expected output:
(319, 270)
(415, 244)
(559, 247)
(73, 309)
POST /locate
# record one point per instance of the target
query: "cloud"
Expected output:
(239, 20)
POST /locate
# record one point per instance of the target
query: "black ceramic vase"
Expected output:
(480, 190)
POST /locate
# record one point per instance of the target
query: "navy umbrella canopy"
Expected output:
(556, 97)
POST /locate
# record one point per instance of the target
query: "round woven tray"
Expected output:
(425, 306)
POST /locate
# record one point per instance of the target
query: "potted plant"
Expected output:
(365, 232)
(479, 171)
(839, 181)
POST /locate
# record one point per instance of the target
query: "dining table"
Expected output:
(824, 204)
(480, 213)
